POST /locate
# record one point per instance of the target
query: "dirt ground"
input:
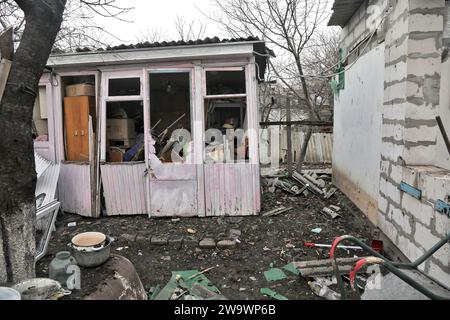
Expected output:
(265, 242)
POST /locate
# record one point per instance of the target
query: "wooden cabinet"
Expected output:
(76, 122)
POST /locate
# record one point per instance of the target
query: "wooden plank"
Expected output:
(289, 136)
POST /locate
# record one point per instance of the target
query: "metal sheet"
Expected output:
(47, 184)
(41, 164)
(124, 189)
(232, 189)
(174, 198)
(74, 188)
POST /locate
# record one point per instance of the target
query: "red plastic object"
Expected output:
(377, 246)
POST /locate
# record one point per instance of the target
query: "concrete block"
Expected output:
(207, 243)
(424, 237)
(226, 244)
(159, 241)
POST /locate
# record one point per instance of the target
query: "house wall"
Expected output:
(415, 91)
(360, 25)
(408, 154)
(442, 154)
(357, 132)
(164, 191)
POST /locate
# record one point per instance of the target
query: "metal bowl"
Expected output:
(89, 239)
(92, 258)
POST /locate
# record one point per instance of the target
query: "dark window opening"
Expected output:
(226, 124)
(170, 115)
(125, 141)
(124, 87)
(225, 82)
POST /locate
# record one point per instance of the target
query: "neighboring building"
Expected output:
(128, 126)
(385, 131)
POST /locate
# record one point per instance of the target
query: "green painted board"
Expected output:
(290, 267)
(167, 292)
(274, 274)
(272, 294)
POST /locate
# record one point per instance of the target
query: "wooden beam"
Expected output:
(289, 136)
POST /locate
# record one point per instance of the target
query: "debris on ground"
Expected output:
(323, 268)
(316, 230)
(189, 285)
(274, 274)
(320, 288)
(272, 294)
(259, 242)
(332, 213)
(276, 212)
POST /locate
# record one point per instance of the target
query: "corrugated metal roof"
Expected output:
(343, 11)
(164, 44)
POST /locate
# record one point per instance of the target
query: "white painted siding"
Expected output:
(357, 123)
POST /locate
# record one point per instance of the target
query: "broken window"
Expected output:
(125, 131)
(40, 116)
(226, 117)
(170, 116)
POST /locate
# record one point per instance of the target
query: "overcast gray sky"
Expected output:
(154, 14)
(159, 15)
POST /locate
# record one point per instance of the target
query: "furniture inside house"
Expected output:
(77, 111)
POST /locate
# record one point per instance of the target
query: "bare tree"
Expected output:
(189, 30)
(78, 29)
(152, 35)
(290, 26)
(43, 19)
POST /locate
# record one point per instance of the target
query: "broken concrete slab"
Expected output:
(159, 241)
(235, 233)
(207, 243)
(226, 244)
(176, 242)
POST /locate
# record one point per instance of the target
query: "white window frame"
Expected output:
(105, 98)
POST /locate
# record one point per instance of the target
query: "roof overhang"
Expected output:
(159, 54)
(343, 11)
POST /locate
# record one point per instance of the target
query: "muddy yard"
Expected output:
(265, 242)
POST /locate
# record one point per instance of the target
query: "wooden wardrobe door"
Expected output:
(76, 118)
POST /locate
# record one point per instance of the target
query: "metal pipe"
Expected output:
(393, 267)
(443, 132)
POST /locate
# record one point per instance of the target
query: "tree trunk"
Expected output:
(17, 169)
(304, 150)
(313, 114)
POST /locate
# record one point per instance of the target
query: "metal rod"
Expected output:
(443, 132)
(395, 267)
(311, 123)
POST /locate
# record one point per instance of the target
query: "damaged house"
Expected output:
(165, 129)
(390, 157)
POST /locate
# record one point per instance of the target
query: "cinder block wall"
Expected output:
(409, 133)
